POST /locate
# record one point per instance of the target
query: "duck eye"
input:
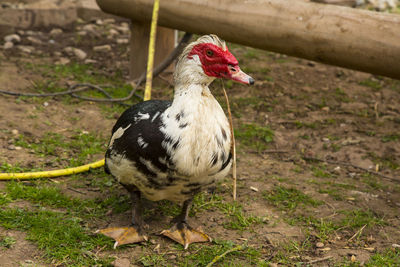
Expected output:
(210, 53)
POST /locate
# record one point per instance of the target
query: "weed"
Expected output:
(7, 241)
(254, 136)
(289, 198)
(61, 237)
(372, 83)
(75, 149)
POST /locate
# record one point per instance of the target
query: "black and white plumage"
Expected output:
(173, 150)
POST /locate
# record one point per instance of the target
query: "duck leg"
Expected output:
(133, 233)
(182, 232)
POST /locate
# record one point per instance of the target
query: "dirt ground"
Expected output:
(324, 191)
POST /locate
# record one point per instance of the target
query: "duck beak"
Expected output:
(236, 74)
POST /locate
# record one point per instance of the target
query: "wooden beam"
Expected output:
(139, 43)
(356, 39)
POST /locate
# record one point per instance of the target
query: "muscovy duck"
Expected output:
(174, 150)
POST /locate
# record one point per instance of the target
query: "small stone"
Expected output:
(319, 245)
(26, 49)
(325, 140)
(57, 54)
(99, 22)
(109, 21)
(90, 61)
(113, 32)
(21, 32)
(325, 109)
(80, 53)
(34, 40)
(122, 40)
(14, 38)
(14, 131)
(46, 104)
(172, 257)
(311, 64)
(353, 258)
(51, 41)
(56, 31)
(123, 262)
(63, 61)
(337, 169)
(102, 48)
(395, 246)
(18, 148)
(8, 45)
(11, 147)
(89, 28)
(291, 73)
(255, 189)
(82, 33)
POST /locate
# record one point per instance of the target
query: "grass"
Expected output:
(75, 150)
(7, 241)
(289, 198)
(254, 136)
(61, 238)
(237, 219)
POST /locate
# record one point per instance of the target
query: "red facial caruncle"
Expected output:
(219, 63)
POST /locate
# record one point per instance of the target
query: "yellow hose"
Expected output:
(50, 174)
(97, 164)
(150, 58)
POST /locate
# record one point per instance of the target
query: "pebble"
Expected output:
(395, 246)
(76, 51)
(26, 49)
(63, 61)
(8, 45)
(80, 53)
(14, 131)
(326, 109)
(113, 32)
(89, 28)
(82, 33)
(320, 245)
(122, 40)
(51, 41)
(123, 262)
(325, 140)
(14, 38)
(57, 54)
(109, 21)
(34, 40)
(90, 61)
(102, 48)
(255, 189)
(46, 104)
(11, 147)
(56, 31)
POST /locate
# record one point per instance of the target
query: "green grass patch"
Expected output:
(390, 138)
(7, 241)
(61, 238)
(236, 218)
(372, 83)
(286, 198)
(75, 149)
(254, 136)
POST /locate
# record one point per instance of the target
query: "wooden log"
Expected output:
(356, 39)
(139, 43)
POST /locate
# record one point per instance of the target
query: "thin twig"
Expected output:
(233, 144)
(354, 166)
(320, 259)
(269, 151)
(77, 191)
(218, 257)
(357, 233)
